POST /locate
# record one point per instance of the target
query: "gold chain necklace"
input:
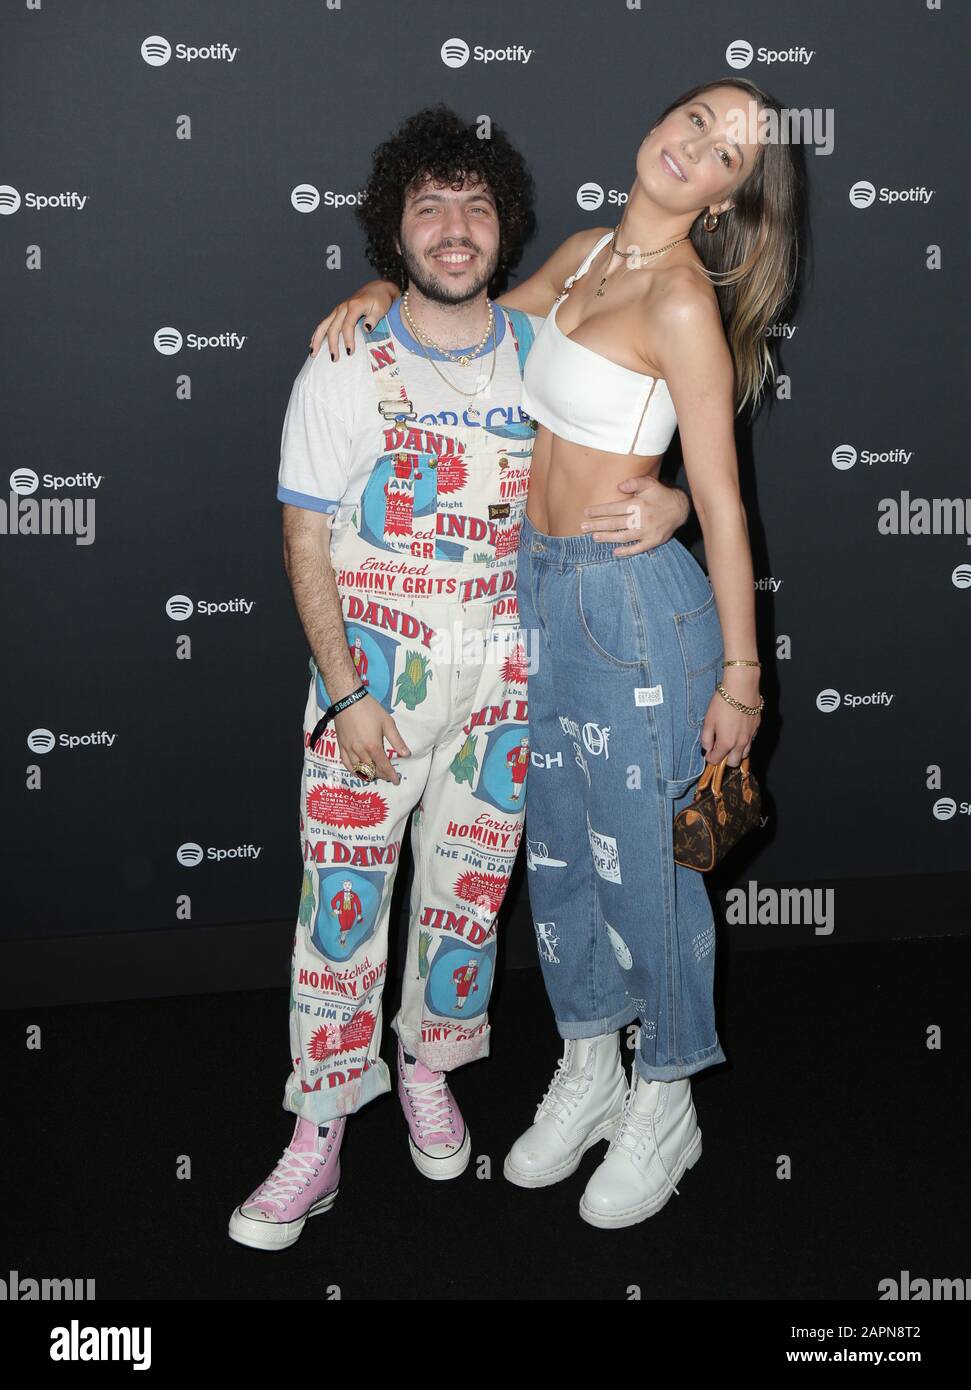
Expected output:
(641, 255)
(462, 360)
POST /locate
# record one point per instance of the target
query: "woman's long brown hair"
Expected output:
(751, 258)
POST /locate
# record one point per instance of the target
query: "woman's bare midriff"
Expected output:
(564, 478)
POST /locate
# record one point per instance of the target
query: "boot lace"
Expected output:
(635, 1132)
(566, 1089)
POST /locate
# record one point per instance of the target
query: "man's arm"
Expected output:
(306, 559)
(648, 518)
(361, 728)
(315, 451)
(315, 454)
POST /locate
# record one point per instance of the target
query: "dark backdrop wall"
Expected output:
(176, 213)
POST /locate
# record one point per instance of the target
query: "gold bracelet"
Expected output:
(745, 709)
(741, 663)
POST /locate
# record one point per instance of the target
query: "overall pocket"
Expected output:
(609, 615)
(702, 650)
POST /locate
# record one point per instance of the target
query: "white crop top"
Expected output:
(584, 397)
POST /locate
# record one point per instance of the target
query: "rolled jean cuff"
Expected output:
(676, 1071)
(599, 1027)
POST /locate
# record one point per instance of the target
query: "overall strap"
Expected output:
(392, 394)
(522, 332)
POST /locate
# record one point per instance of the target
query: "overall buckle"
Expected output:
(396, 410)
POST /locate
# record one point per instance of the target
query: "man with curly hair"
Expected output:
(403, 478)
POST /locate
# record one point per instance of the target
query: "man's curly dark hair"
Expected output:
(436, 142)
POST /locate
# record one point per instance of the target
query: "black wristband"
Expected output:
(336, 708)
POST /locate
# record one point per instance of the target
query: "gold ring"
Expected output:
(365, 771)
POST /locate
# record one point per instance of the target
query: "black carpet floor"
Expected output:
(828, 1066)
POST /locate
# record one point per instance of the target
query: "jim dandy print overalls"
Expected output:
(625, 653)
(426, 567)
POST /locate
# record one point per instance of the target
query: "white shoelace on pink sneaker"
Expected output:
(431, 1105)
(293, 1172)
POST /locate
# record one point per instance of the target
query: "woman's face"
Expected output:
(698, 154)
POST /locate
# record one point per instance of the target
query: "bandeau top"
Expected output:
(585, 398)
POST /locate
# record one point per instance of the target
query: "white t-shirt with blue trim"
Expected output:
(332, 427)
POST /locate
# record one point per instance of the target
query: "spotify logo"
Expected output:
(590, 196)
(455, 53)
(156, 51)
(844, 456)
(739, 54)
(179, 607)
(24, 481)
(305, 198)
(168, 341)
(862, 194)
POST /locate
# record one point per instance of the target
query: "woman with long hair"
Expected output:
(642, 668)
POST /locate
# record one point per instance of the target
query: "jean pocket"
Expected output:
(702, 651)
(689, 769)
(608, 614)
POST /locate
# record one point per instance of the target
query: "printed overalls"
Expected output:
(426, 567)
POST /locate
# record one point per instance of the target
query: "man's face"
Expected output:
(449, 241)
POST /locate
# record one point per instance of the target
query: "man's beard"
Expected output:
(428, 284)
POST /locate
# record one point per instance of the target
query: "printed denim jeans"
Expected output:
(623, 657)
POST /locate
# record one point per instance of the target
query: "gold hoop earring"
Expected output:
(710, 222)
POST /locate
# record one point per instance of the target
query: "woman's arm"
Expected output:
(536, 295)
(372, 300)
(697, 366)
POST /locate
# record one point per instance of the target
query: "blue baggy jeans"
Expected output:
(623, 654)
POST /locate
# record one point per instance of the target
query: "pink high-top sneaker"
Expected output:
(437, 1136)
(303, 1183)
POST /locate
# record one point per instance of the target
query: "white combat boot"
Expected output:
(582, 1105)
(657, 1139)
